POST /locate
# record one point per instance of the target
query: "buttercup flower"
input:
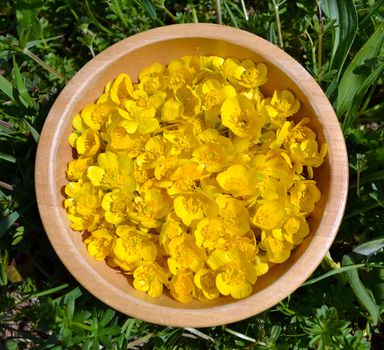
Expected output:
(280, 106)
(117, 204)
(77, 168)
(95, 116)
(184, 254)
(277, 248)
(237, 180)
(269, 215)
(132, 247)
(194, 206)
(150, 278)
(234, 273)
(88, 143)
(112, 172)
(121, 89)
(305, 194)
(182, 287)
(240, 116)
(99, 244)
(205, 280)
(193, 178)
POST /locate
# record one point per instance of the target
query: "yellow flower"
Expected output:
(194, 206)
(150, 278)
(154, 148)
(77, 168)
(179, 75)
(172, 110)
(213, 93)
(282, 105)
(235, 215)
(185, 255)
(246, 245)
(137, 118)
(149, 208)
(117, 204)
(152, 78)
(211, 156)
(209, 232)
(235, 275)
(79, 126)
(83, 199)
(121, 89)
(269, 215)
(120, 139)
(289, 133)
(295, 229)
(182, 141)
(171, 228)
(205, 280)
(246, 73)
(112, 172)
(182, 287)
(185, 178)
(99, 244)
(305, 194)
(308, 154)
(277, 249)
(95, 116)
(132, 247)
(189, 99)
(88, 143)
(237, 180)
(83, 205)
(240, 116)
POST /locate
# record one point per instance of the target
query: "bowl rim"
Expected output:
(45, 185)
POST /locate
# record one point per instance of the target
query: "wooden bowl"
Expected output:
(162, 45)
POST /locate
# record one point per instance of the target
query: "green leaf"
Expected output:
(6, 87)
(24, 96)
(35, 134)
(364, 296)
(150, 8)
(355, 82)
(370, 248)
(7, 157)
(7, 222)
(344, 15)
(377, 5)
(28, 24)
(107, 317)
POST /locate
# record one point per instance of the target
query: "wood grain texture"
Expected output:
(162, 45)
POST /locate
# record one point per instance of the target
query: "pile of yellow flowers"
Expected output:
(192, 179)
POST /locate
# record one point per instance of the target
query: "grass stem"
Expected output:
(276, 6)
(43, 64)
(218, 12)
(244, 10)
(320, 43)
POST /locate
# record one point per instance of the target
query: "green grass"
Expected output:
(44, 43)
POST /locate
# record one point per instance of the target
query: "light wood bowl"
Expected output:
(162, 45)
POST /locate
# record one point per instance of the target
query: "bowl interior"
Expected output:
(163, 45)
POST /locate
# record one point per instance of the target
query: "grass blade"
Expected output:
(343, 13)
(25, 98)
(7, 157)
(352, 80)
(364, 296)
(370, 248)
(7, 222)
(6, 87)
(374, 8)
